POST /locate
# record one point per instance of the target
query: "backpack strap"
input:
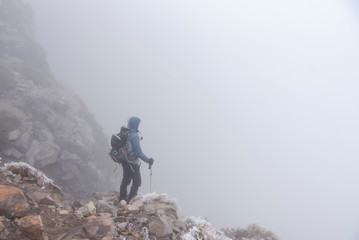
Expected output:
(116, 135)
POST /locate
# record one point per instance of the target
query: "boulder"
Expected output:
(104, 207)
(23, 142)
(14, 135)
(13, 202)
(41, 154)
(121, 226)
(41, 197)
(123, 203)
(99, 228)
(87, 210)
(150, 209)
(161, 226)
(32, 226)
(12, 153)
(132, 209)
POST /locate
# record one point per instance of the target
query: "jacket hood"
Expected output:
(133, 123)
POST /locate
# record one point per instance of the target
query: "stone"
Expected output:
(41, 154)
(104, 207)
(176, 230)
(48, 200)
(13, 202)
(41, 132)
(87, 210)
(123, 203)
(14, 135)
(32, 226)
(17, 178)
(37, 196)
(41, 198)
(23, 142)
(150, 209)
(99, 228)
(39, 182)
(136, 235)
(105, 215)
(68, 208)
(180, 224)
(12, 153)
(161, 226)
(132, 209)
(121, 226)
(138, 203)
(64, 212)
(78, 204)
(91, 217)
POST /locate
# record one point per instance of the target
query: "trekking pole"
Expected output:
(151, 179)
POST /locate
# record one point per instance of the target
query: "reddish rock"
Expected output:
(32, 226)
(13, 202)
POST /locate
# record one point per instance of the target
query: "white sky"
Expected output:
(249, 108)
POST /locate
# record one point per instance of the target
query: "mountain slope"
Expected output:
(42, 122)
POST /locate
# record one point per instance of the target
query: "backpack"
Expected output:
(121, 149)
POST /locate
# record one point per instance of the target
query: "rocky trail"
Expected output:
(31, 207)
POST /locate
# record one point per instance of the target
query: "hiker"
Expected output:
(131, 170)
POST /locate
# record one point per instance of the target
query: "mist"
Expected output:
(249, 108)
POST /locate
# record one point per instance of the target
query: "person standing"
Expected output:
(131, 170)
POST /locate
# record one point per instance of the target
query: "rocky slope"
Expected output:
(42, 122)
(31, 207)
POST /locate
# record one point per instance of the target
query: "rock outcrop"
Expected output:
(42, 122)
(47, 216)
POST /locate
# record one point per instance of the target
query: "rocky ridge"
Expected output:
(31, 207)
(42, 122)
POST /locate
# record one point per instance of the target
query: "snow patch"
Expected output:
(32, 171)
(201, 229)
(159, 198)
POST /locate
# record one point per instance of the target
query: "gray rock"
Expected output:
(104, 207)
(150, 209)
(39, 196)
(42, 133)
(121, 226)
(17, 178)
(77, 204)
(161, 226)
(87, 210)
(14, 135)
(23, 142)
(12, 153)
(100, 228)
(41, 154)
(180, 224)
(132, 209)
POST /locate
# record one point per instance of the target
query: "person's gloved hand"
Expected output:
(150, 162)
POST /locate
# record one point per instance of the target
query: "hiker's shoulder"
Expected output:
(133, 135)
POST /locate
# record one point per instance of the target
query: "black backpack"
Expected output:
(121, 150)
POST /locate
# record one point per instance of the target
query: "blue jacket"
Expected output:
(134, 139)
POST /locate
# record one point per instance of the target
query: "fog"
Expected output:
(249, 108)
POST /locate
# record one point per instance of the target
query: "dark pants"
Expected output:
(131, 172)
